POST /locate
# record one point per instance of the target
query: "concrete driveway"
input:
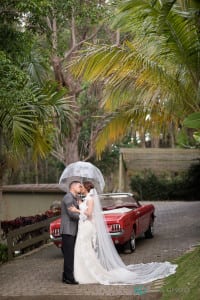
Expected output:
(38, 275)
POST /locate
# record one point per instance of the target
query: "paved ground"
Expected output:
(38, 275)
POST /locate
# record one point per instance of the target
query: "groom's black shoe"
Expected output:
(69, 281)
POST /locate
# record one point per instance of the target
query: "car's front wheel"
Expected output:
(129, 247)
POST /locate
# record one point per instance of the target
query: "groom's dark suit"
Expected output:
(69, 228)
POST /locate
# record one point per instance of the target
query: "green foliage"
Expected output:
(192, 121)
(184, 284)
(15, 41)
(109, 161)
(29, 114)
(46, 170)
(86, 15)
(152, 78)
(16, 116)
(89, 106)
(33, 35)
(12, 78)
(15, 44)
(149, 186)
(186, 140)
(3, 253)
(37, 64)
(192, 182)
(165, 187)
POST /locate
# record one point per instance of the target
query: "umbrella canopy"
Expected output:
(81, 171)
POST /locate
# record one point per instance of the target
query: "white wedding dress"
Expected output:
(96, 260)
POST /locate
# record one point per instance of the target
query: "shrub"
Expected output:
(149, 186)
(8, 225)
(193, 182)
(165, 187)
(3, 253)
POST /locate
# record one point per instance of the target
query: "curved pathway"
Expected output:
(38, 275)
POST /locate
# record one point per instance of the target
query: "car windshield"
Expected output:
(118, 200)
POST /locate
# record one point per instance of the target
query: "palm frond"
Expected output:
(20, 124)
(155, 72)
(113, 131)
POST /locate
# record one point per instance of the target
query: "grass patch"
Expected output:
(185, 283)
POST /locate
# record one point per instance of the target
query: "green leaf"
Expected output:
(196, 136)
(192, 121)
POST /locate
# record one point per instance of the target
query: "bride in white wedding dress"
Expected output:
(96, 259)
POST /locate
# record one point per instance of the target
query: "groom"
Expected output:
(68, 230)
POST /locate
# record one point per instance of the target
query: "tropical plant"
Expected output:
(3, 253)
(28, 114)
(193, 121)
(152, 78)
(34, 108)
(63, 27)
(163, 186)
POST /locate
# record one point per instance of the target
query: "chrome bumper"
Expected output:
(112, 234)
(117, 234)
(55, 239)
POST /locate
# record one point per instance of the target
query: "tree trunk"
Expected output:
(69, 152)
(142, 138)
(36, 172)
(71, 147)
(155, 142)
(172, 135)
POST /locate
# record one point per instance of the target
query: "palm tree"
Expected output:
(29, 114)
(152, 79)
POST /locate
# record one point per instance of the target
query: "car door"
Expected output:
(142, 220)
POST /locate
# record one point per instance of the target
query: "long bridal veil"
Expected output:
(111, 261)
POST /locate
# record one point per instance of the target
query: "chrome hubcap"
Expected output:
(133, 241)
(152, 229)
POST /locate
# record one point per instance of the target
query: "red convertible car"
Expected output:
(126, 219)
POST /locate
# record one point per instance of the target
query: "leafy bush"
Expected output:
(165, 187)
(191, 183)
(149, 186)
(3, 253)
(8, 225)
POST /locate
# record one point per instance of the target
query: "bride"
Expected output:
(96, 259)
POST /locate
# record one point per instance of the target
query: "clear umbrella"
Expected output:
(81, 171)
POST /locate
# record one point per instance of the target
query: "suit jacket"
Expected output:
(69, 220)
